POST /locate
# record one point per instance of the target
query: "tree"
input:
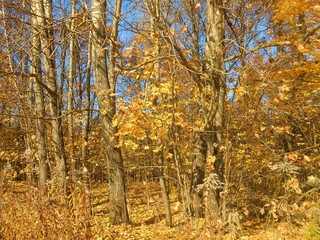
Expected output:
(214, 115)
(105, 82)
(155, 15)
(211, 83)
(71, 79)
(39, 100)
(43, 10)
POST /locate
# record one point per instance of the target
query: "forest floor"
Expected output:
(148, 220)
(25, 216)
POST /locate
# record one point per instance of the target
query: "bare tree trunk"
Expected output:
(166, 202)
(39, 102)
(85, 130)
(209, 143)
(44, 13)
(22, 107)
(70, 93)
(198, 173)
(86, 117)
(106, 86)
(215, 116)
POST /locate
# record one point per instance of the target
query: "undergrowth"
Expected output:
(31, 213)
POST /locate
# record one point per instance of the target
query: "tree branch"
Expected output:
(267, 45)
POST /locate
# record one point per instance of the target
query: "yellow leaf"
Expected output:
(306, 158)
(157, 149)
(301, 48)
(211, 159)
(115, 122)
(153, 136)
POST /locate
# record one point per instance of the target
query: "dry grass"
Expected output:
(29, 213)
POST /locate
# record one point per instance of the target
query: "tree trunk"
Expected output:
(85, 131)
(44, 12)
(70, 94)
(209, 143)
(105, 84)
(198, 173)
(86, 117)
(215, 69)
(166, 201)
(39, 102)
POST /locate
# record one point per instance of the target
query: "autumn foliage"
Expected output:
(125, 120)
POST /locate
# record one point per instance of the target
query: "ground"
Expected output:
(28, 215)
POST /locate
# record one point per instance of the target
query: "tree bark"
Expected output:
(198, 173)
(209, 142)
(106, 86)
(86, 117)
(70, 94)
(39, 101)
(44, 13)
(215, 69)
(85, 130)
(166, 202)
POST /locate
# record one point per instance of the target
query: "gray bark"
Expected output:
(41, 144)
(215, 116)
(209, 142)
(44, 13)
(70, 94)
(105, 82)
(86, 118)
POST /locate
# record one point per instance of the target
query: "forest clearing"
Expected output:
(160, 119)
